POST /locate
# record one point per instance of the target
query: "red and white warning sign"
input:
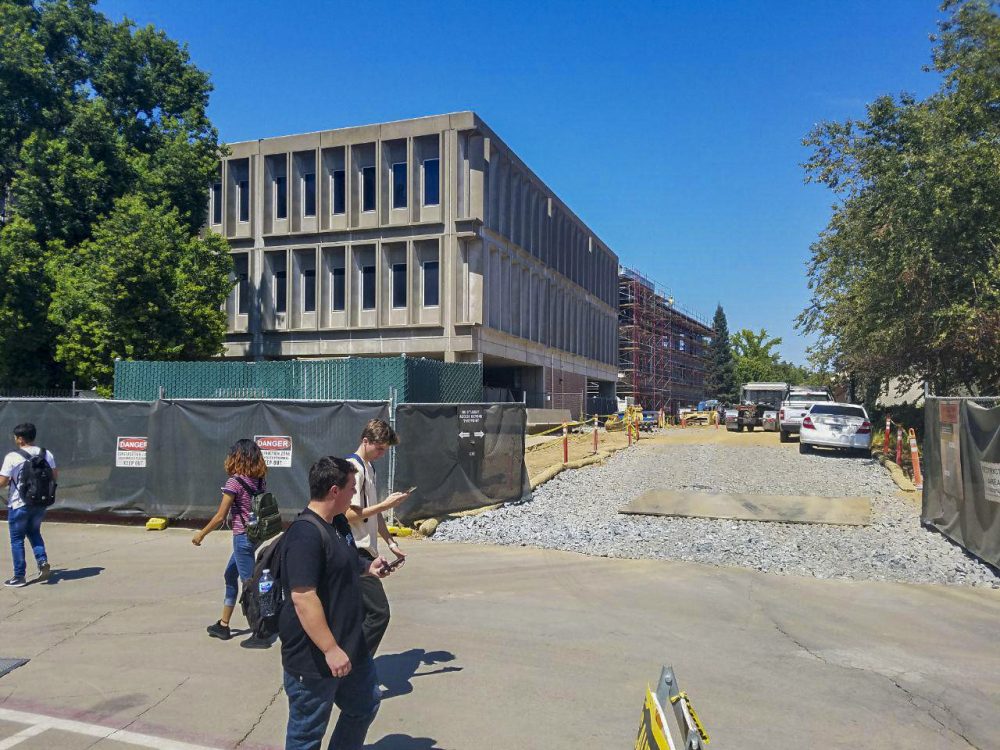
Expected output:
(277, 449)
(131, 452)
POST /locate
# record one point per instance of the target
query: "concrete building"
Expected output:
(426, 237)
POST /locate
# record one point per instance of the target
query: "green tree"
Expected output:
(905, 279)
(91, 111)
(720, 379)
(755, 357)
(142, 287)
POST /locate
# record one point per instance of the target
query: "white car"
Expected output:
(836, 425)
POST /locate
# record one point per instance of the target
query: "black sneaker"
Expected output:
(255, 642)
(44, 571)
(15, 583)
(220, 631)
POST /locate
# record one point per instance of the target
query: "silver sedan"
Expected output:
(836, 425)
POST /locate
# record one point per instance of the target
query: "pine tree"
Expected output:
(720, 380)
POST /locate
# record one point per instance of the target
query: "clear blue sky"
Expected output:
(672, 129)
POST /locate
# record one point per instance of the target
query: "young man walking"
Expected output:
(23, 519)
(323, 649)
(367, 524)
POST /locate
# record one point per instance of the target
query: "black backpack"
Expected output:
(269, 558)
(35, 483)
(264, 508)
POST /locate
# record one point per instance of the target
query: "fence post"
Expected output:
(595, 434)
(565, 443)
(918, 480)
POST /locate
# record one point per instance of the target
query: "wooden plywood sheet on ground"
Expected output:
(848, 511)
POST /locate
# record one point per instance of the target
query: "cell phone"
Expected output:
(394, 564)
(407, 492)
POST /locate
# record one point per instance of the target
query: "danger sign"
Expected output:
(131, 452)
(277, 449)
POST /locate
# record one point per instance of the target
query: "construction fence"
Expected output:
(349, 379)
(961, 493)
(165, 458)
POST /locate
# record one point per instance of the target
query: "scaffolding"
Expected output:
(662, 348)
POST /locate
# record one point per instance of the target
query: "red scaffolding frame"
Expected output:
(662, 349)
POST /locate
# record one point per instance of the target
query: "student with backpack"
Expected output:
(247, 471)
(31, 472)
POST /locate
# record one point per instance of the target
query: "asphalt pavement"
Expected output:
(500, 648)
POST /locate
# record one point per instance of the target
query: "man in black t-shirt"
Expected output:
(323, 649)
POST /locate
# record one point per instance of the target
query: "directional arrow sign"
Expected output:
(464, 434)
(479, 434)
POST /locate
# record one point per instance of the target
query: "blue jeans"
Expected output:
(26, 521)
(239, 568)
(311, 701)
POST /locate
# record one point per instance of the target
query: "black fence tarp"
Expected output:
(460, 457)
(961, 495)
(185, 447)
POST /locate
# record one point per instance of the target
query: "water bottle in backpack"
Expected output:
(264, 586)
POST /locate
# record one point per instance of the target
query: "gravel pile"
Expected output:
(578, 511)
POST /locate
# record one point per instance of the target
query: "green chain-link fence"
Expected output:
(355, 378)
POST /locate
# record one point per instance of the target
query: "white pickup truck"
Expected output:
(794, 408)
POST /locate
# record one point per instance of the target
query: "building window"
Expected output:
(216, 202)
(309, 290)
(368, 287)
(243, 196)
(279, 279)
(339, 191)
(432, 182)
(309, 194)
(368, 189)
(338, 295)
(241, 268)
(399, 185)
(399, 285)
(280, 197)
(431, 295)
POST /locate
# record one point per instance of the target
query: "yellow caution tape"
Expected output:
(694, 715)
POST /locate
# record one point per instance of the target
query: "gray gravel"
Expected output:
(578, 511)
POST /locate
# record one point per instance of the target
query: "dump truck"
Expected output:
(755, 399)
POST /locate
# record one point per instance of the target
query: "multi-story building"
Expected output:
(663, 350)
(425, 237)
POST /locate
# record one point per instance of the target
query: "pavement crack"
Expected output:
(260, 718)
(911, 697)
(83, 627)
(173, 690)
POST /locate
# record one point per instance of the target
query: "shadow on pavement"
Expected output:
(396, 670)
(404, 742)
(63, 574)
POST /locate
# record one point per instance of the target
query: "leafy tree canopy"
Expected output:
(905, 279)
(92, 111)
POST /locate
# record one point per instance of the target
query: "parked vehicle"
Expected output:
(836, 425)
(755, 399)
(795, 406)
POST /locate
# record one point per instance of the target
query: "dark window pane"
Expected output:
(309, 290)
(339, 192)
(368, 189)
(399, 185)
(217, 203)
(432, 182)
(399, 285)
(368, 288)
(339, 288)
(309, 194)
(241, 267)
(280, 290)
(244, 196)
(431, 296)
(280, 197)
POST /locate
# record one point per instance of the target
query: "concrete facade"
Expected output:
(425, 237)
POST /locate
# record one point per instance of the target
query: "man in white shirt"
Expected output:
(23, 519)
(367, 524)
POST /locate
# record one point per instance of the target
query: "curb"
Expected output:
(896, 472)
